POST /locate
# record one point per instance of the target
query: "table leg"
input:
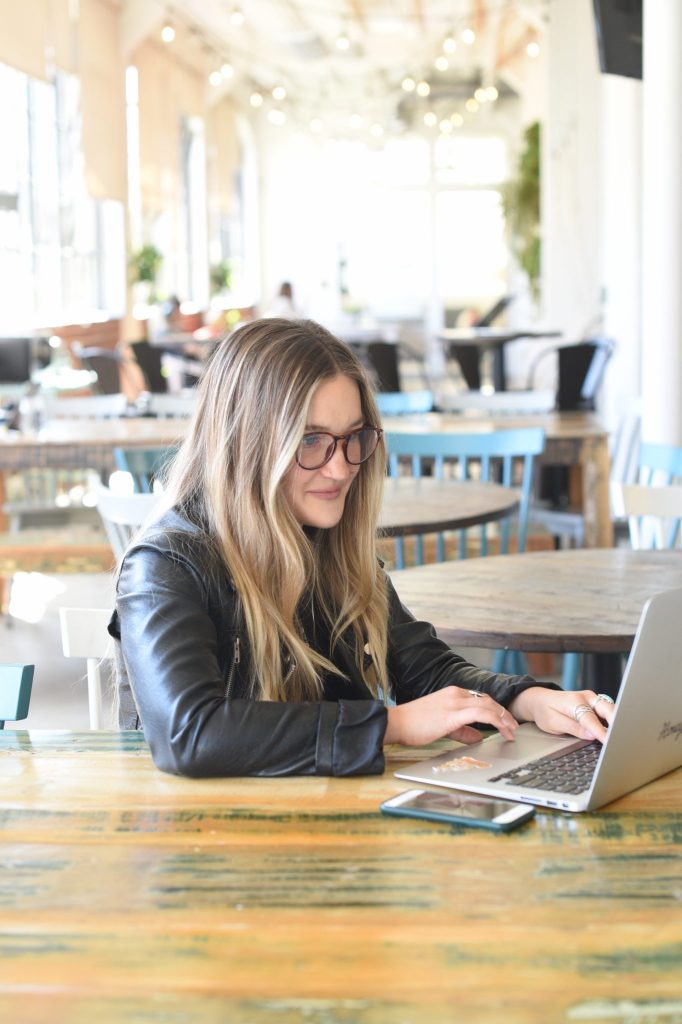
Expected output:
(596, 465)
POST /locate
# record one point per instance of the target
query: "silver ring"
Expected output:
(602, 696)
(476, 693)
(581, 709)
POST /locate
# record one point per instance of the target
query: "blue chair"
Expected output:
(145, 465)
(659, 465)
(16, 683)
(496, 454)
(400, 403)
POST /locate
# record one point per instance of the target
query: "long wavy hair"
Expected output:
(253, 402)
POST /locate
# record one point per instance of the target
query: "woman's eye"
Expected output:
(311, 440)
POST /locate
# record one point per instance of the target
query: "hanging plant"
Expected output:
(145, 264)
(521, 200)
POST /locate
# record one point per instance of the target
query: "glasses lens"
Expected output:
(314, 450)
(361, 445)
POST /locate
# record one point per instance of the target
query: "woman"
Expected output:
(258, 632)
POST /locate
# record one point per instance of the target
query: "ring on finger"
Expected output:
(476, 693)
(581, 709)
(601, 696)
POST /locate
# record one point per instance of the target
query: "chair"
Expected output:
(16, 683)
(497, 455)
(172, 406)
(580, 372)
(123, 514)
(488, 451)
(653, 515)
(84, 635)
(149, 358)
(145, 465)
(88, 407)
(398, 403)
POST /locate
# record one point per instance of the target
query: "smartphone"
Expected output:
(459, 809)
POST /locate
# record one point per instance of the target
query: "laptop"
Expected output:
(643, 742)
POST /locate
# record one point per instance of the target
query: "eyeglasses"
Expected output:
(316, 450)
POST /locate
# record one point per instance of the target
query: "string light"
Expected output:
(256, 99)
(471, 105)
(409, 84)
(468, 37)
(237, 17)
(457, 119)
(168, 33)
(342, 41)
(492, 93)
(376, 130)
(276, 116)
(279, 93)
(423, 88)
(481, 95)
(533, 49)
(441, 63)
(430, 119)
(226, 70)
(445, 126)
(215, 78)
(449, 44)
(356, 121)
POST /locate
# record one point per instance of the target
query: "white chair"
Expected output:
(84, 635)
(653, 515)
(89, 407)
(123, 514)
(171, 406)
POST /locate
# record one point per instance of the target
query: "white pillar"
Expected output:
(662, 224)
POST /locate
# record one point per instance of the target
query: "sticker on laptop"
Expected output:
(460, 764)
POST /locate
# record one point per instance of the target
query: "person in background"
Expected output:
(283, 306)
(256, 630)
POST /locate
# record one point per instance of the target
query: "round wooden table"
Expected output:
(424, 505)
(578, 601)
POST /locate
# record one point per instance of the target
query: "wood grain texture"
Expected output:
(131, 895)
(586, 600)
(425, 505)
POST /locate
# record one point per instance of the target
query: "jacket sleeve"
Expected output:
(170, 650)
(419, 663)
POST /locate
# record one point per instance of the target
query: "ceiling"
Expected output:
(344, 62)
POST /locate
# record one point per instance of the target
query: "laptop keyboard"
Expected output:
(568, 771)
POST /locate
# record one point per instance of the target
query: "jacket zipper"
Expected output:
(236, 658)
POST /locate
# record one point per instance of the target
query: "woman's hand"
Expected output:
(447, 713)
(553, 712)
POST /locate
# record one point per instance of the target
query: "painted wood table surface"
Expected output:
(585, 600)
(577, 440)
(425, 505)
(130, 895)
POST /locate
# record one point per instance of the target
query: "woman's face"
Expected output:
(317, 496)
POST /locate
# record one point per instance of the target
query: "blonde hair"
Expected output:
(252, 407)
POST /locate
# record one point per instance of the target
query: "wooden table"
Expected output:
(132, 895)
(582, 601)
(575, 439)
(425, 505)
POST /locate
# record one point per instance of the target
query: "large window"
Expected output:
(62, 253)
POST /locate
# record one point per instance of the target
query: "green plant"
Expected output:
(521, 199)
(221, 276)
(145, 263)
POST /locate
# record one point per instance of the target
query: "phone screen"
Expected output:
(462, 805)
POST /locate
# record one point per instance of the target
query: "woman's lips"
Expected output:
(326, 495)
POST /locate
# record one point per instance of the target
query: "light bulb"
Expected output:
(279, 93)
(449, 44)
(255, 99)
(342, 42)
(409, 84)
(442, 63)
(168, 33)
(430, 119)
(423, 88)
(237, 18)
(215, 78)
(533, 49)
(468, 37)
(226, 70)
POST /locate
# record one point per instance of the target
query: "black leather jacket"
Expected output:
(183, 672)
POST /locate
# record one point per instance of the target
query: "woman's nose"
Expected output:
(338, 466)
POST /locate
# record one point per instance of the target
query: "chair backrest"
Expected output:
(16, 683)
(149, 359)
(653, 515)
(580, 373)
(488, 318)
(659, 463)
(172, 406)
(382, 357)
(398, 403)
(123, 514)
(105, 362)
(145, 465)
(84, 635)
(506, 456)
(89, 407)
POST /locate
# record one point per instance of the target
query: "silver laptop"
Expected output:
(643, 742)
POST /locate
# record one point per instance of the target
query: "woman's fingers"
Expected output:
(469, 706)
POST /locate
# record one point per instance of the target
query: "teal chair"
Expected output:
(503, 456)
(16, 683)
(400, 403)
(145, 465)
